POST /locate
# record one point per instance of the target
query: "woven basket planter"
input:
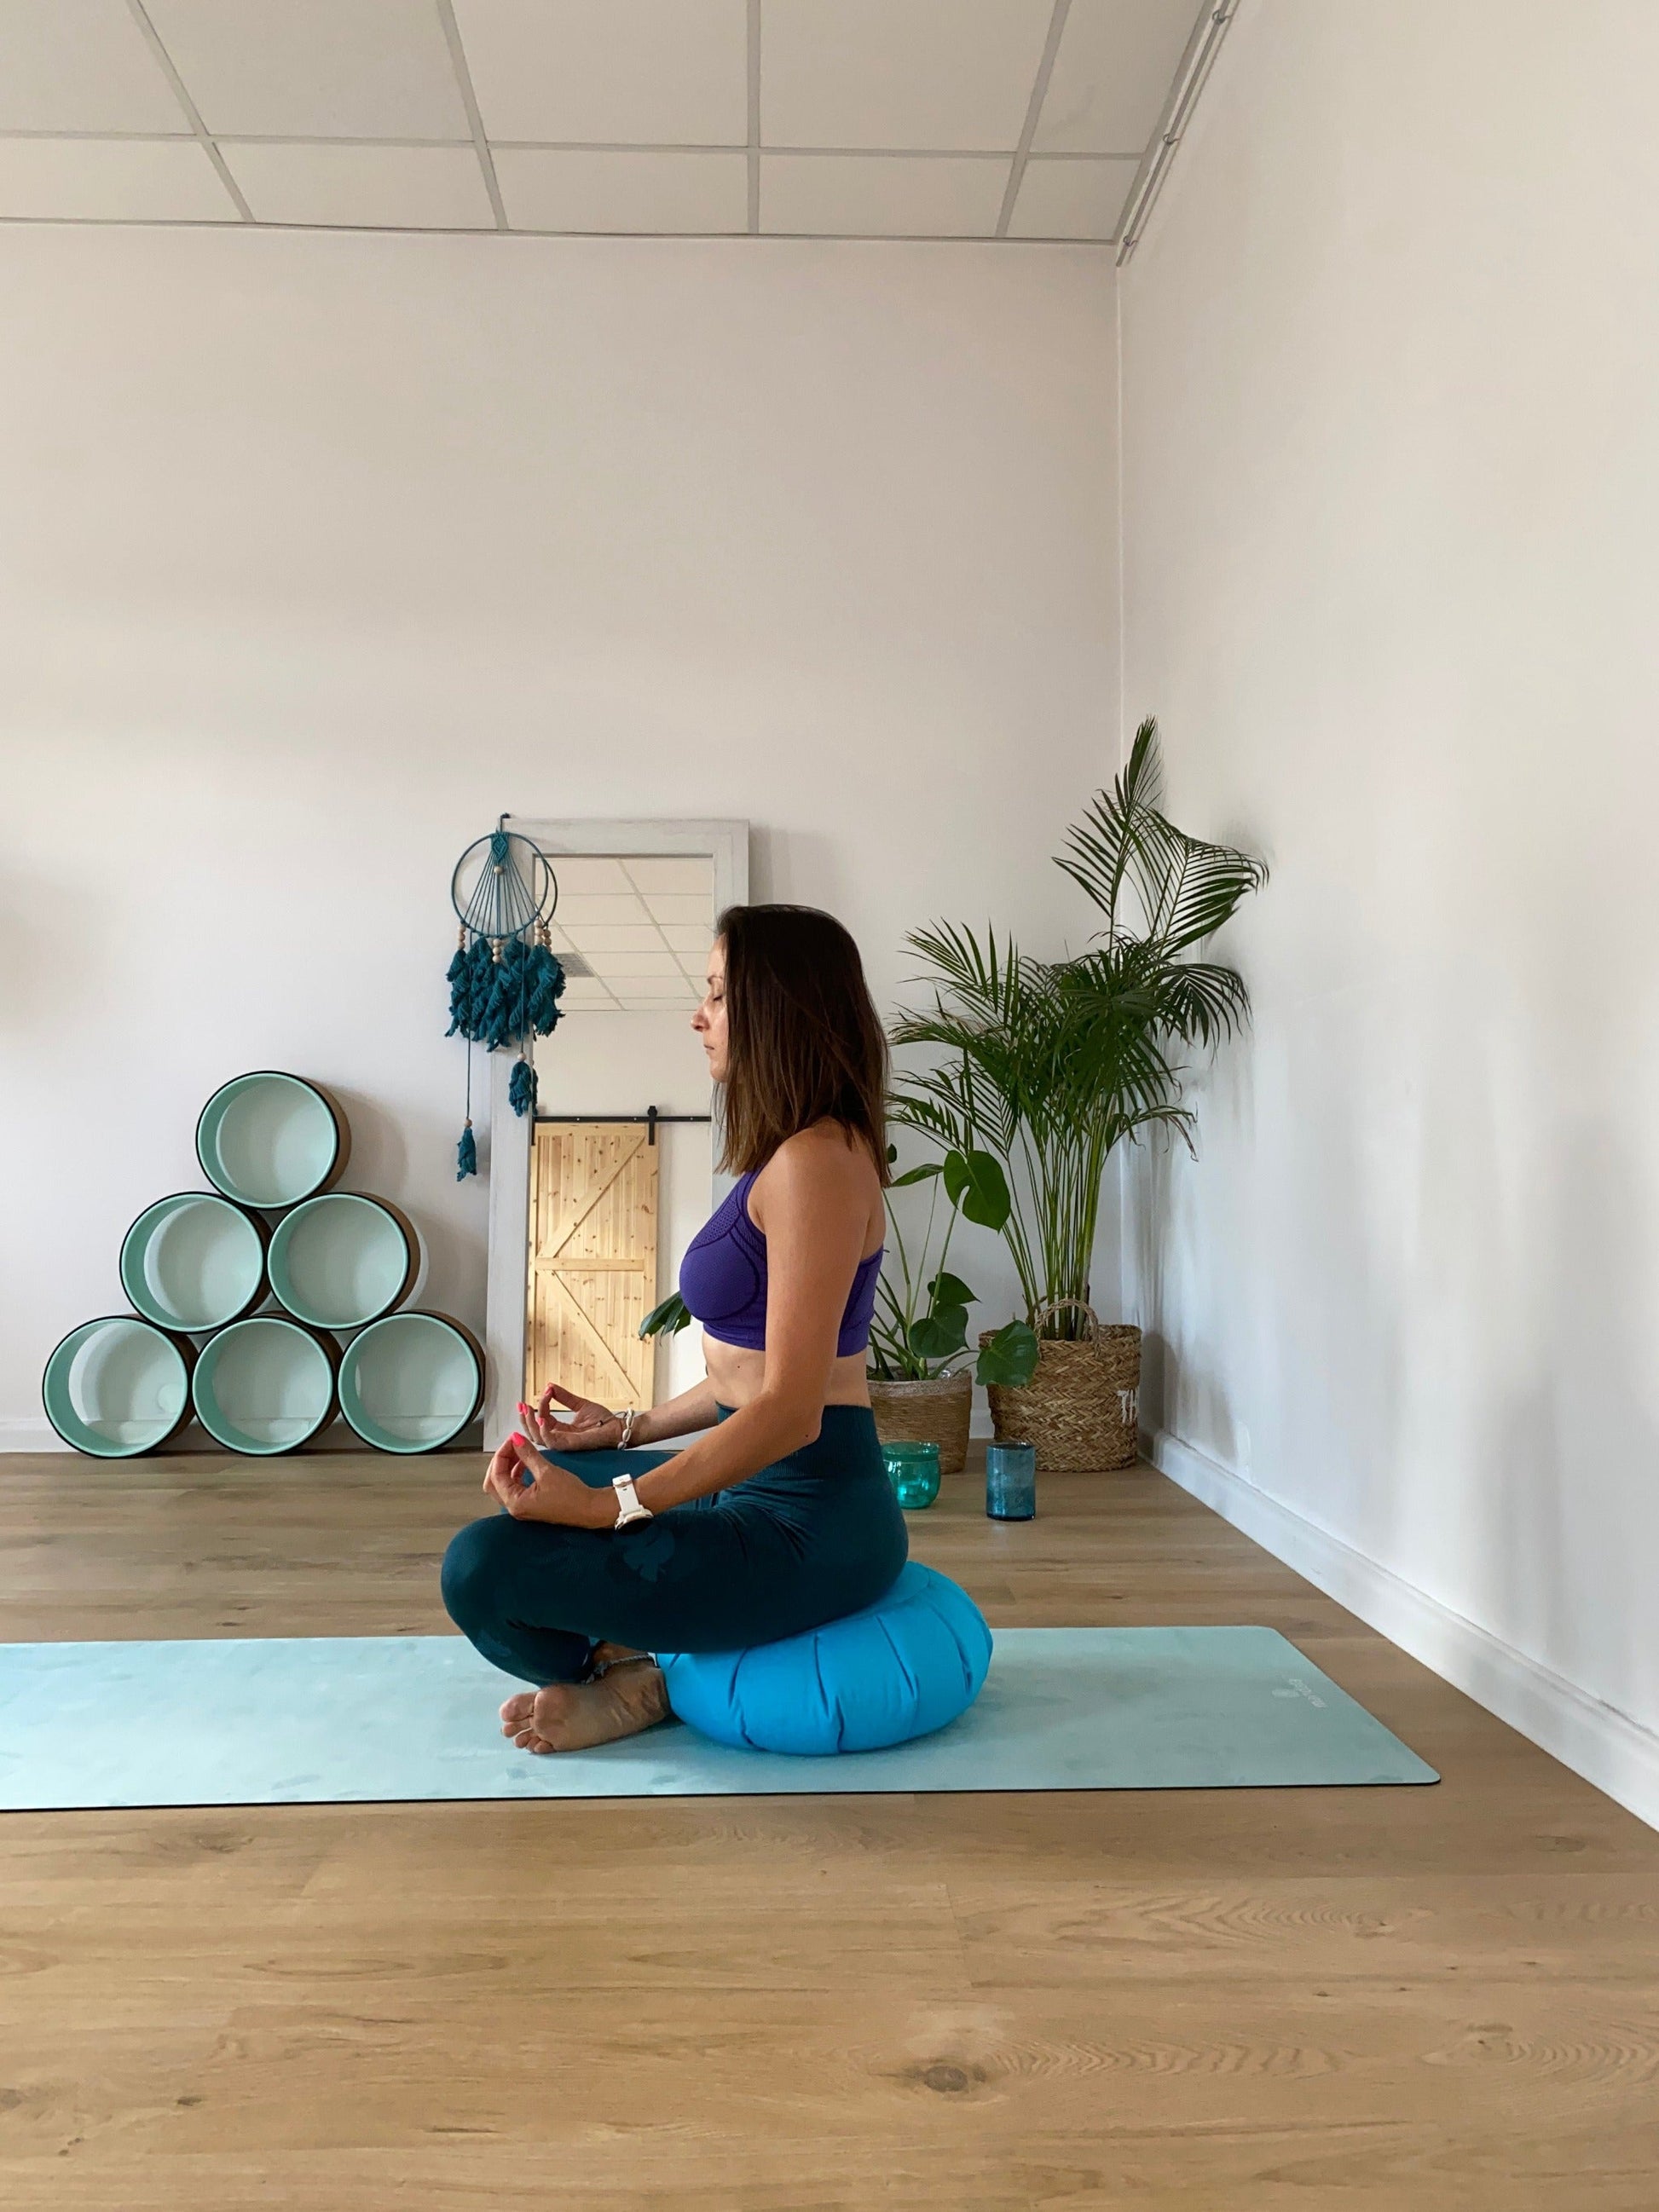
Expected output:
(1081, 1409)
(936, 1411)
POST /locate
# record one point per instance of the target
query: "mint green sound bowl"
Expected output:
(194, 1261)
(116, 1387)
(270, 1140)
(413, 1382)
(341, 1260)
(265, 1386)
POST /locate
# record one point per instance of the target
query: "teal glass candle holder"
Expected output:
(913, 1470)
(1010, 1481)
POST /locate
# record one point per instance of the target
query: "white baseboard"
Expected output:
(36, 1435)
(1604, 1745)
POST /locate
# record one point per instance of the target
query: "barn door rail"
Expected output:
(650, 1117)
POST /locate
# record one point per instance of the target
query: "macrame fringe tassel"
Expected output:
(521, 1087)
(467, 1155)
(544, 977)
(460, 992)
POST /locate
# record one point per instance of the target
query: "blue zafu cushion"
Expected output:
(900, 1668)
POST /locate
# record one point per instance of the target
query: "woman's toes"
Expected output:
(516, 1712)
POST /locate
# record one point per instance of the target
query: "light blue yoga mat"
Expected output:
(327, 1720)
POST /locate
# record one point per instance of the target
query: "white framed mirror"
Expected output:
(624, 933)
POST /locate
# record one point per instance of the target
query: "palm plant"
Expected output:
(1048, 1066)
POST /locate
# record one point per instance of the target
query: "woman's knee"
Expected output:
(477, 1569)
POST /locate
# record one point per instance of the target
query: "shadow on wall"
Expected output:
(1424, 1278)
(1571, 1439)
(41, 965)
(386, 1149)
(798, 867)
(1168, 1240)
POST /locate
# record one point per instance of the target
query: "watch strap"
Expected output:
(629, 1505)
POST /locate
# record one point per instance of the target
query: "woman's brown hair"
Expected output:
(804, 1041)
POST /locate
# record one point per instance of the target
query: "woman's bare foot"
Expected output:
(518, 1712)
(577, 1715)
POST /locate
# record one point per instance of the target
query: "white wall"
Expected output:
(318, 551)
(1391, 472)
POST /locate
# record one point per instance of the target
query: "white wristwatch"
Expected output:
(628, 1507)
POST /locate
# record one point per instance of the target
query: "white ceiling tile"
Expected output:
(952, 74)
(544, 190)
(598, 939)
(112, 180)
(880, 195)
(683, 906)
(81, 65)
(330, 69)
(367, 187)
(577, 907)
(1071, 199)
(588, 872)
(687, 937)
(642, 72)
(655, 872)
(612, 966)
(1112, 75)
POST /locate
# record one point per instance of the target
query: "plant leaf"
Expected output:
(950, 1290)
(925, 1173)
(974, 1180)
(942, 1332)
(1011, 1357)
(667, 1319)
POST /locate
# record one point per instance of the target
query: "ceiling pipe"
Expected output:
(1190, 78)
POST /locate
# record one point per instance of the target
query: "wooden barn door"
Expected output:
(592, 1260)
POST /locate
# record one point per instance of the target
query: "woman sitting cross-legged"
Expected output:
(780, 1517)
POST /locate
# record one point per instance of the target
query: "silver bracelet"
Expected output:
(628, 1429)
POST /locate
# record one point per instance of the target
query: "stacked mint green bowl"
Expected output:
(267, 1305)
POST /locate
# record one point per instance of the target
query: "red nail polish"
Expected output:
(520, 1439)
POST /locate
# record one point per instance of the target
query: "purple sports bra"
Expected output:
(723, 1279)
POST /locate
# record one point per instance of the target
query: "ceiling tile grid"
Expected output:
(1020, 119)
(640, 927)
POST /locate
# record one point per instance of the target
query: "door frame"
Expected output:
(507, 1162)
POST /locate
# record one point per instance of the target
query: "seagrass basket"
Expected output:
(936, 1411)
(1081, 1409)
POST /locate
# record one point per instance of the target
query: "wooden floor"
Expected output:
(1429, 2000)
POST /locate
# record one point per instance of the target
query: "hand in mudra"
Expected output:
(593, 1427)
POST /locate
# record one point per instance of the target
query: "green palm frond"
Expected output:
(1049, 1066)
(1187, 888)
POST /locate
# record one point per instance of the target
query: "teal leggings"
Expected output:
(817, 1535)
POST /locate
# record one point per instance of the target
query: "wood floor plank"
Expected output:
(1424, 2000)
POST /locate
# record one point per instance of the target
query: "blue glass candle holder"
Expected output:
(913, 1470)
(1010, 1481)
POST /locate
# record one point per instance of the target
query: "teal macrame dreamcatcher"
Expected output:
(504, 980)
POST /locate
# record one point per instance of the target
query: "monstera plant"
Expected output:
(919, 1330)
(921, 1369)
